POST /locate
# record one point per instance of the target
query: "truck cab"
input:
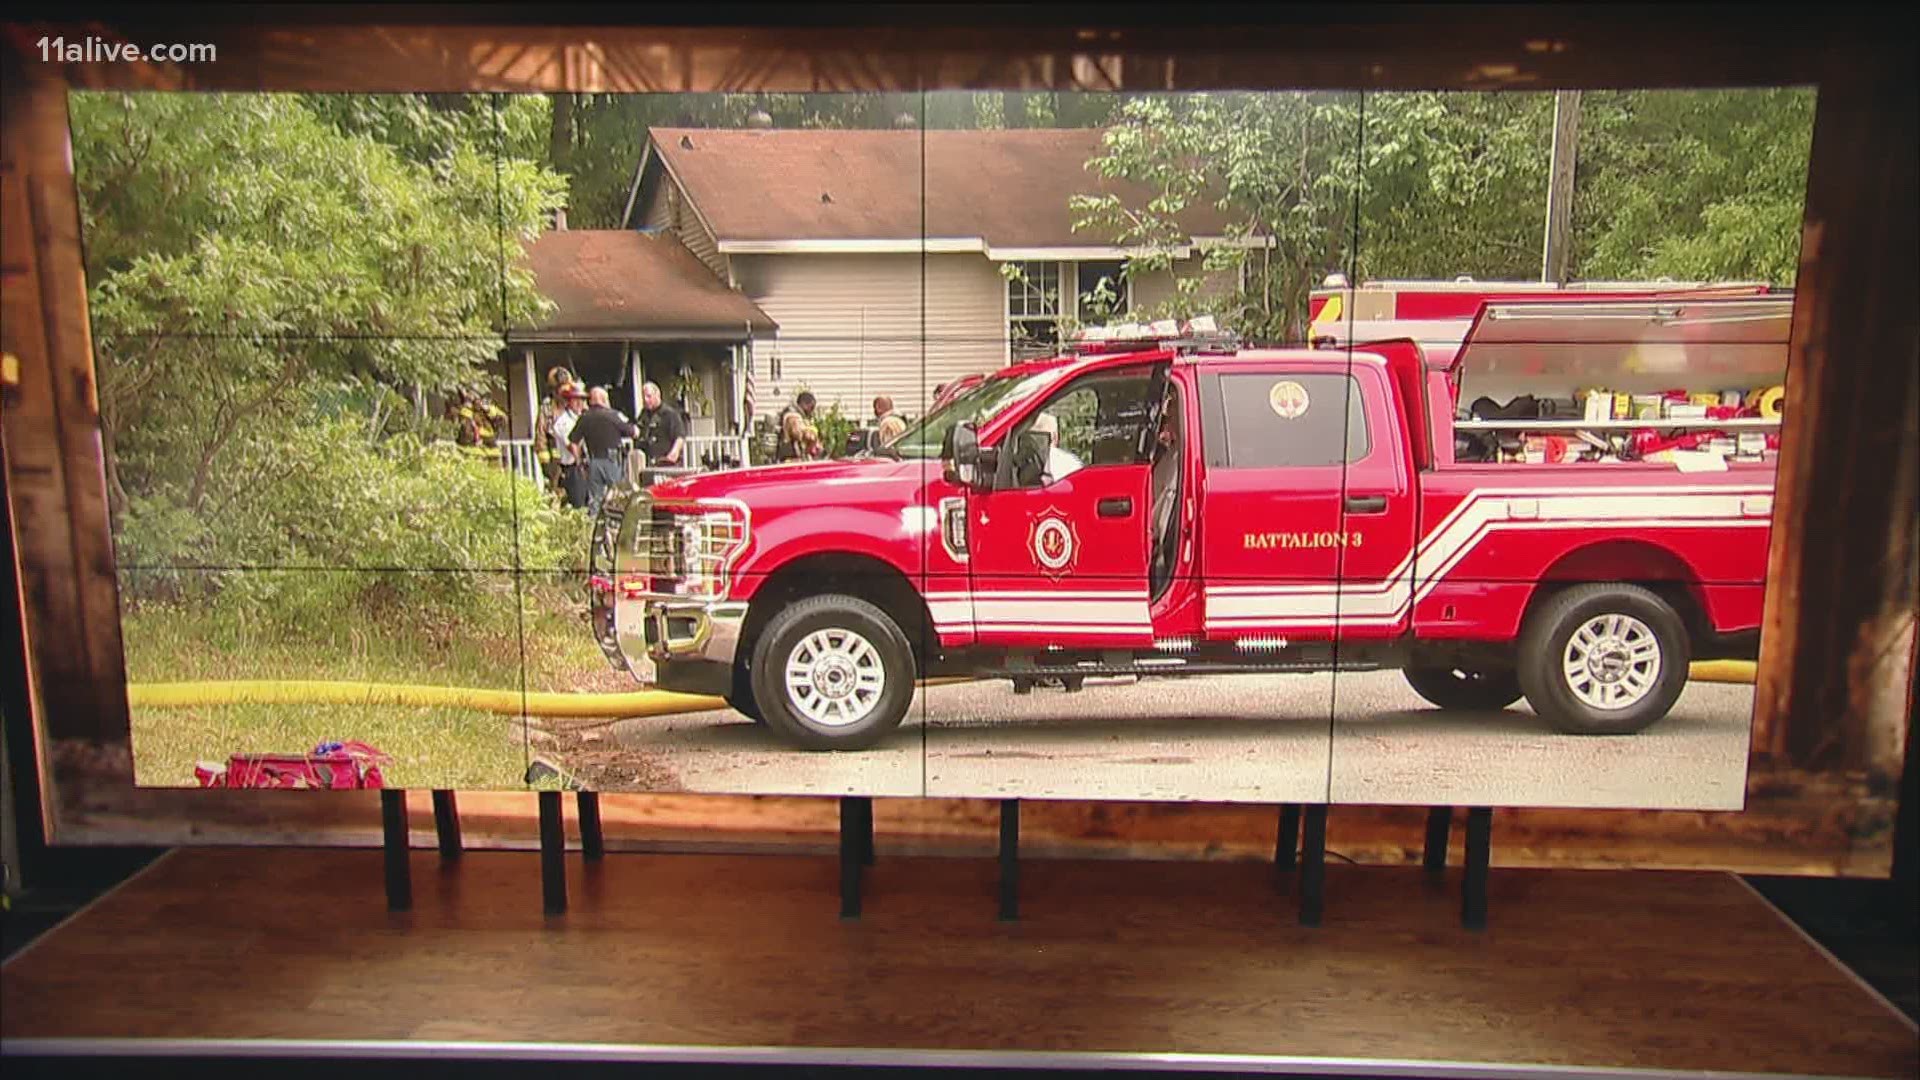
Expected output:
(1183, 508)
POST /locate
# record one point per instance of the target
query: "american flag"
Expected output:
(746, 391)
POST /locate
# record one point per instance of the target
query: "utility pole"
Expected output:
(1566, 151)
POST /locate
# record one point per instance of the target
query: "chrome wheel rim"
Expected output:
(1612, 662)
(835, 677)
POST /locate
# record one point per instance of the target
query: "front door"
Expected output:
(1060, 548)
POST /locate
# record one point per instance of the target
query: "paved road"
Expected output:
(1254, 738)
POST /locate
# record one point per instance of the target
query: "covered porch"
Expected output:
(631, 307)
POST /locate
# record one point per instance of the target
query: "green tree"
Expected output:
(1284, 167)
(1692, 184)
(245, 251)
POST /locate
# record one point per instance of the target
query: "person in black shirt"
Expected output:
(596, 437)
(663, 433)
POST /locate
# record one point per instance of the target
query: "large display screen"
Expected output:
(1241, 447)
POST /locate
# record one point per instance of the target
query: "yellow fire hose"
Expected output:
(506, 702)
(1723, 671)
(513, 703)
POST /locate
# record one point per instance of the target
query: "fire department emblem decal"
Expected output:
(1289, 400)
(1054, 543)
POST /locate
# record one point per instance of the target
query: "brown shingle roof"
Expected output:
(618, 282)
(1009, 188)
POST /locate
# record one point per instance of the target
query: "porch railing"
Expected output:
(726, 451)
(722, 448)
(518, 455)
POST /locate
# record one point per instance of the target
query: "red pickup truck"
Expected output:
(1170, 511)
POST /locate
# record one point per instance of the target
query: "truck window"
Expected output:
(1281, 419)
(1098, 417)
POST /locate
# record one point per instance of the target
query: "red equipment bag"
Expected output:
(332, 766)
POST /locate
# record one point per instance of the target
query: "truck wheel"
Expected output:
(1603, 659)
(832, 673)
(1458, 688)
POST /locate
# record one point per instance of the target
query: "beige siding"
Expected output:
(653, 209)
(854, 326)
(666, 207)
(1152, 289)
(700, 241)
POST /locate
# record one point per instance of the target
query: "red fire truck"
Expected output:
(1194, 507)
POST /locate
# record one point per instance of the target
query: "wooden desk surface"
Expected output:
(708, 957)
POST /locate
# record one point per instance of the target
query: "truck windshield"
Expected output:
(980, 404)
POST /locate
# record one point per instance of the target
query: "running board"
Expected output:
(1172, 669)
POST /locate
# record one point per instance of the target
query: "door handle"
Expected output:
(1366, 504)
(1118, 506)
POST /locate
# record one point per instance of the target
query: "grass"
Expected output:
(431, 747)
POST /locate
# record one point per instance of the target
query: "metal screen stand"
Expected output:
(1009, 860)
(593, 844)
(1439, 833)
(1313, 866)
(393, 821)
(856, 851)
(1286, 846)
(553, 855)
(1473, 887)
(446, 824)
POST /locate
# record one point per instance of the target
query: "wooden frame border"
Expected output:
(1833, 704)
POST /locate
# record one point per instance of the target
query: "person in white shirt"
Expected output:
(1060, 463)
(573, 476)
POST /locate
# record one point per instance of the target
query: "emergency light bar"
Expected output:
(1199, 330)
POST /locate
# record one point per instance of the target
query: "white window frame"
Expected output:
(1060, 297)
(1067, 301)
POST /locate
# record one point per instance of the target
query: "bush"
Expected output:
(322, 495)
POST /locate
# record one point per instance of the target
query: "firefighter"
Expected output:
(487, 420)
(461, 410)
(547, 447)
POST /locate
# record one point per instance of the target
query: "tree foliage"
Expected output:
(258, 264)
(1690, 185)
(1693, 184)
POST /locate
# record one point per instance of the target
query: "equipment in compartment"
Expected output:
(1701, 425)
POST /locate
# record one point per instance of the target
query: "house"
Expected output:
(862, 262)
(629, 306)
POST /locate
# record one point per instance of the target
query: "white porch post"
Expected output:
(533, 392)
(736, 387)
(633, 374)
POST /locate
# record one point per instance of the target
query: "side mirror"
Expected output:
(970, 463)
(966, 444)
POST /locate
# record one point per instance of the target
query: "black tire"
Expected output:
(1544, 639)
(1460, 688)
(741, 700)
(1022, 686)
(1073, 684)
(788, 630)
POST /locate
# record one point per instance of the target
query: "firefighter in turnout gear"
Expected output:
(477, 420)
(546, 443)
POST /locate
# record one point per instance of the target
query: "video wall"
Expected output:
(1237, 447)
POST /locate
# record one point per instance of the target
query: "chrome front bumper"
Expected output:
(648, 632)
(674, 628)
